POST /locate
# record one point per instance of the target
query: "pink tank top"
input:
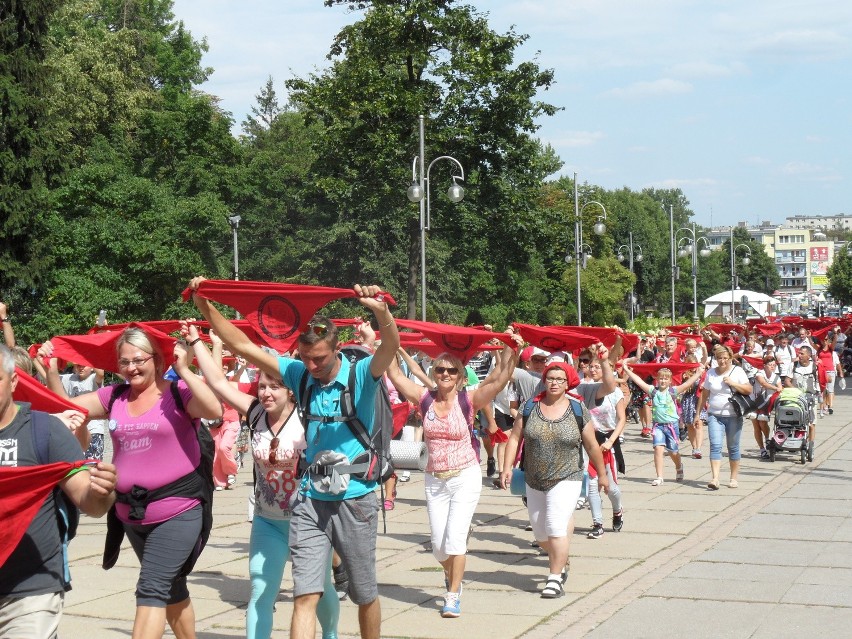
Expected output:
(447, 439)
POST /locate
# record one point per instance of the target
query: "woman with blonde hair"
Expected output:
(155, 442)
(720, 383)
(453, 476)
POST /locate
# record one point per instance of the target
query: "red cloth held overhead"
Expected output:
(554, 338)
(98, 349)
(769, 329)
(755, 361)
(722, 329)
(462, 341)
(22, 492)
(651, 369)
(278, 312)
(29, 389)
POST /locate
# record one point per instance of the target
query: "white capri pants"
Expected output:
(551, 511)
(451, 504)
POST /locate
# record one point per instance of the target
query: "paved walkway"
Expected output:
(770, 558)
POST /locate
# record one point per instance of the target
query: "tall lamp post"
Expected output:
(415, 194)
(630, 257)
(746, 261)
(599, 229)
(672, 260)
(234, 221)
(690, 248)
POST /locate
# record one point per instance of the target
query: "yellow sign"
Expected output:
(819, 280)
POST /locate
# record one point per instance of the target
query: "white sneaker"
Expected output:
(404, 476)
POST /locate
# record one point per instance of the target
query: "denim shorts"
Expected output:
(666, 435)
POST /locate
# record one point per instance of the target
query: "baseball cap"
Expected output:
(770, 342)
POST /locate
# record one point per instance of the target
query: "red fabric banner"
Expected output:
(29, 389)
(462, 341)
(22, 492)
(651, 369)
(278, 312)
(98, 349)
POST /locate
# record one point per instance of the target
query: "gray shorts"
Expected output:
(162, 550)
(350, 526)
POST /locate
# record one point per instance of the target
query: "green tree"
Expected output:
(263, 113)
(439, 59)
(840, 277)
(30, 158)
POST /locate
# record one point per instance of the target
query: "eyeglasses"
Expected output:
(137, 362)
(558, 381)
(273, 450)
(452, 370)
(320, 329)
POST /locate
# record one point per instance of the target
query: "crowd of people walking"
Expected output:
(550, 419)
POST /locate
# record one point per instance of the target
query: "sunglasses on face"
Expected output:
(273, 450)
(452, 370)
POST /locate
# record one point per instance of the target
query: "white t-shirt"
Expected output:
(277, 483)
(804, 376)
(717, 402)
(784, 355)
(605, 416)
(74, 387)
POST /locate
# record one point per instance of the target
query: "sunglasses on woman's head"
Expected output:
(452, 370)
(273, 450)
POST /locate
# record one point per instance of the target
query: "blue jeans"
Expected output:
(728, 426)
(595, 503)
(268, 551)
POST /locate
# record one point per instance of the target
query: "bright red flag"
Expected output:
(22, 492)
(677, 368)
(554, 338)
(98, 349)
(278, 312)
(462, 341)
(29, 389)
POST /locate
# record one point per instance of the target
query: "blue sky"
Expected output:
(746, 105)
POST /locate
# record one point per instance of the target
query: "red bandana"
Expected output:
(98, 349)
(29, 389)
(23, 491)
(757, 362)
(651, 369)
(278, 312)
(462, 341)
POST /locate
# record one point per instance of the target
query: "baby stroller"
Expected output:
(794, 413)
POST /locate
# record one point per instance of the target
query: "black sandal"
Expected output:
(553, 589)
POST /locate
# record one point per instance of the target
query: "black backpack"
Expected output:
(374, 464)
(67, 514)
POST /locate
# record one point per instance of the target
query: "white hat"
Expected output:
(539, 352)
(770, 342)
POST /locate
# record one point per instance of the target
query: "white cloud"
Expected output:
(656, 88)
(703, 69)
(574, 139)
(680, 183)
(808, 43)
(816, 139)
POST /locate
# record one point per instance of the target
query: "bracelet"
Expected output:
(388, 324)
(5, 319)
(195, 341)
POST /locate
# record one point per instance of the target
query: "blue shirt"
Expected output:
(325, 402)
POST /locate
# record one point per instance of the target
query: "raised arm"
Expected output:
(607, 358)
(641, 383)
(415, 368)
(8, 331)
(407, 388)
(386, 352)
(204, 404)
(497, 378)
(692, 381)
(236, 340)
(212, 372)
(88, 401)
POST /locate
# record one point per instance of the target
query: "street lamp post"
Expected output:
(691, 248)
(630, 257)
(234, 221)
(746, 261)
(415, 194)
(599, 229)
(672, 261)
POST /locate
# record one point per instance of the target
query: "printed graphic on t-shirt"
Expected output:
(133, 439)
(9, 452)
